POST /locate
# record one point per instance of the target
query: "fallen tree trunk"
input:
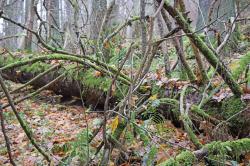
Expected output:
(80, 79)
(224, 150)
(66, 86)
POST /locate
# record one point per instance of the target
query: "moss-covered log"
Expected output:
(222, 150)
(67, 86)
(185, 158)
(102, 68)
(80, 76)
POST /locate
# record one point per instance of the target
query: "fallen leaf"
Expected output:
(154, 97)
(97, 74)
(114, 124)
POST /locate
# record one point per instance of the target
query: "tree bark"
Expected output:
(26, 41)
(143, 27)
(98, 8)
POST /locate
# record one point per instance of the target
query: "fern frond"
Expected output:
(241, 65)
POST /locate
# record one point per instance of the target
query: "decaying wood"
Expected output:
(67, 87)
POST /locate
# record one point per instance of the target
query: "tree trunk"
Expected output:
(15, 11)
(26, 41)
(143, 27)
(164, 44)
(98, 8)
(53, 20)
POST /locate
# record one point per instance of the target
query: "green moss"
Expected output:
(195, 109)
(32, 68)
(232, 106)
(35, 67)
(229, 150)
(87, 77)
(185, 158)
(241, 65)
(218, 153)
(236, 148)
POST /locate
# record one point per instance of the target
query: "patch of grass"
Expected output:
(3, 151)
(9, 115)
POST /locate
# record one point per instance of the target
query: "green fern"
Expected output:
(143, 134)
(149, 158)
(80, 147)
(242, 65)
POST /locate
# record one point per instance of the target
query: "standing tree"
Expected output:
(26, 41)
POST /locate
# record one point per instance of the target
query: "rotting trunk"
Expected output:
(67, 87)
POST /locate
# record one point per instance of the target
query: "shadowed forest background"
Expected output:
(125, 82)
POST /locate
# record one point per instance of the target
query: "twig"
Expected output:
(53, 49)
(159, 9)
(8, 37)
(203, 99)
(86, 120)
(107, 148)
(242, 19)
(105, 20)
(186, 120)
(20, 120)
(128, 22)
(230, 31)
(172, 32)
(231, 117)
(7, 142)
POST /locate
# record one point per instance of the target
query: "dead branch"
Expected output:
(7, 141)
(22, 123)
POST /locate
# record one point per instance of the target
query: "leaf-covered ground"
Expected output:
(55, 125)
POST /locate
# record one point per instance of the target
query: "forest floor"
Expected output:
(54, 125)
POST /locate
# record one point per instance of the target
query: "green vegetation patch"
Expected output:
(185, 158)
